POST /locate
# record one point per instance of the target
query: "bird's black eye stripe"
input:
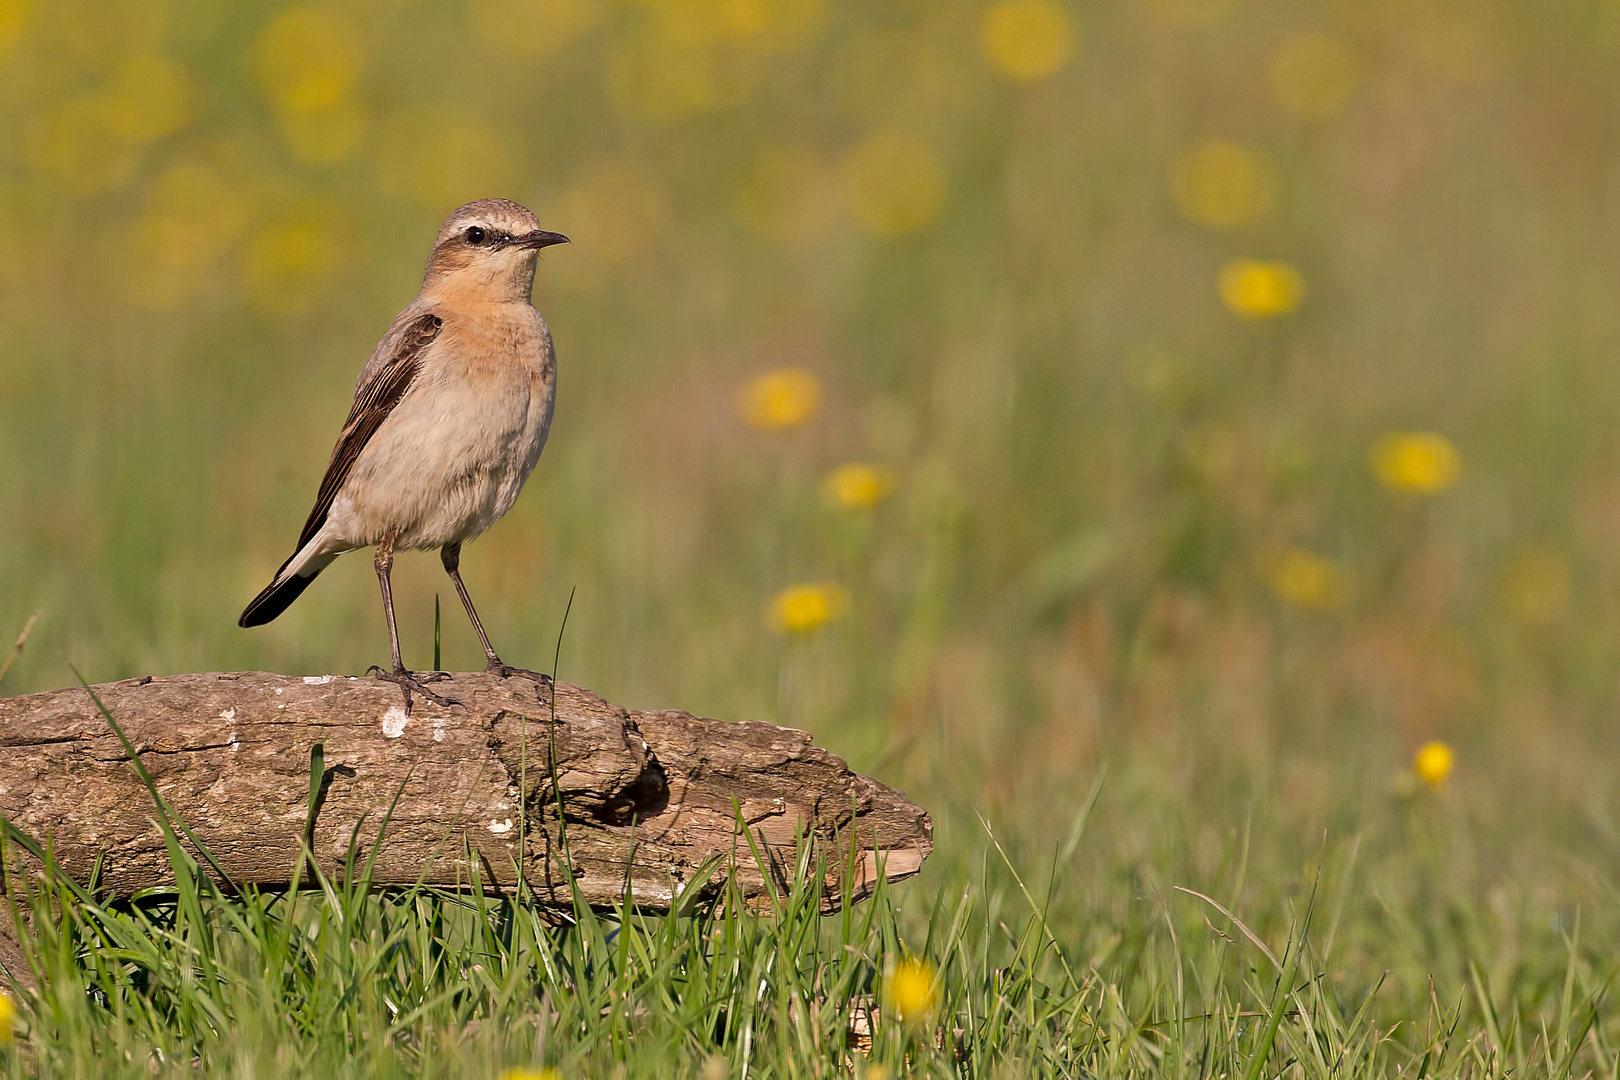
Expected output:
(494, 239)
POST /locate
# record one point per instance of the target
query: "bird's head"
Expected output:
(488, 246)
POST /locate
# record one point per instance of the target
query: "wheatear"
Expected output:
(449, 417)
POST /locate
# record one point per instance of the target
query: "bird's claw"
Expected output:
(507, 671)
(415, 680)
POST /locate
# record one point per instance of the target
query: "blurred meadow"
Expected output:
(1219, 395)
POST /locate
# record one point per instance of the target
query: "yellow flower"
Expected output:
(522, 1072)
(8, 1015)
(911, 992)
(897, 185)
(1027, 39)
(856, 486)
(799, 609)
(1261, 290)
(309, 61)
(1416, 462)
(1535, 586)
(1313, 76)
(1433, 762)
(1307, 580)
(1222, 184)
(778, 400)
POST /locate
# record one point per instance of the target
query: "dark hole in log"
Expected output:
(646, 797)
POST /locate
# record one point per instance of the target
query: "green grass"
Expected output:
(1072, 587)
(1138, 978)
(1378, 952)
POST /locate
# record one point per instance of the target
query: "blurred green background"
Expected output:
(1234, 380)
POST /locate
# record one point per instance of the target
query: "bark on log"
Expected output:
(646, 797)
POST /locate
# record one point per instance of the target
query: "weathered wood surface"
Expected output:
(647, 797)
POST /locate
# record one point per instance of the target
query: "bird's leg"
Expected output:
(450, 555)
(405, 680)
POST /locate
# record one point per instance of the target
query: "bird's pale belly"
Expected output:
(441, 475)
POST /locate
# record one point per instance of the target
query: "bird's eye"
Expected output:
(475, 235)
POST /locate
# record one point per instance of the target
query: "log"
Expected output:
(648, 800)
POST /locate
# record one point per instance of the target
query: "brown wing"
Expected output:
(380, 390)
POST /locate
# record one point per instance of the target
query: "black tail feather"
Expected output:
(274, 600)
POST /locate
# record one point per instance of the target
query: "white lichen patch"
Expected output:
(279, 689)
(229, 716)
(317, 680)
(394, 721)
(438, 729)
(498, 827)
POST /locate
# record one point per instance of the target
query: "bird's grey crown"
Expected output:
(497, 215)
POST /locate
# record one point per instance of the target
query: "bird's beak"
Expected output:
(541, 239)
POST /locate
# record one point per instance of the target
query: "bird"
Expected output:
(450, 415)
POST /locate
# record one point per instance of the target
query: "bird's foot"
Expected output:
(507, 671)
(415, 680)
